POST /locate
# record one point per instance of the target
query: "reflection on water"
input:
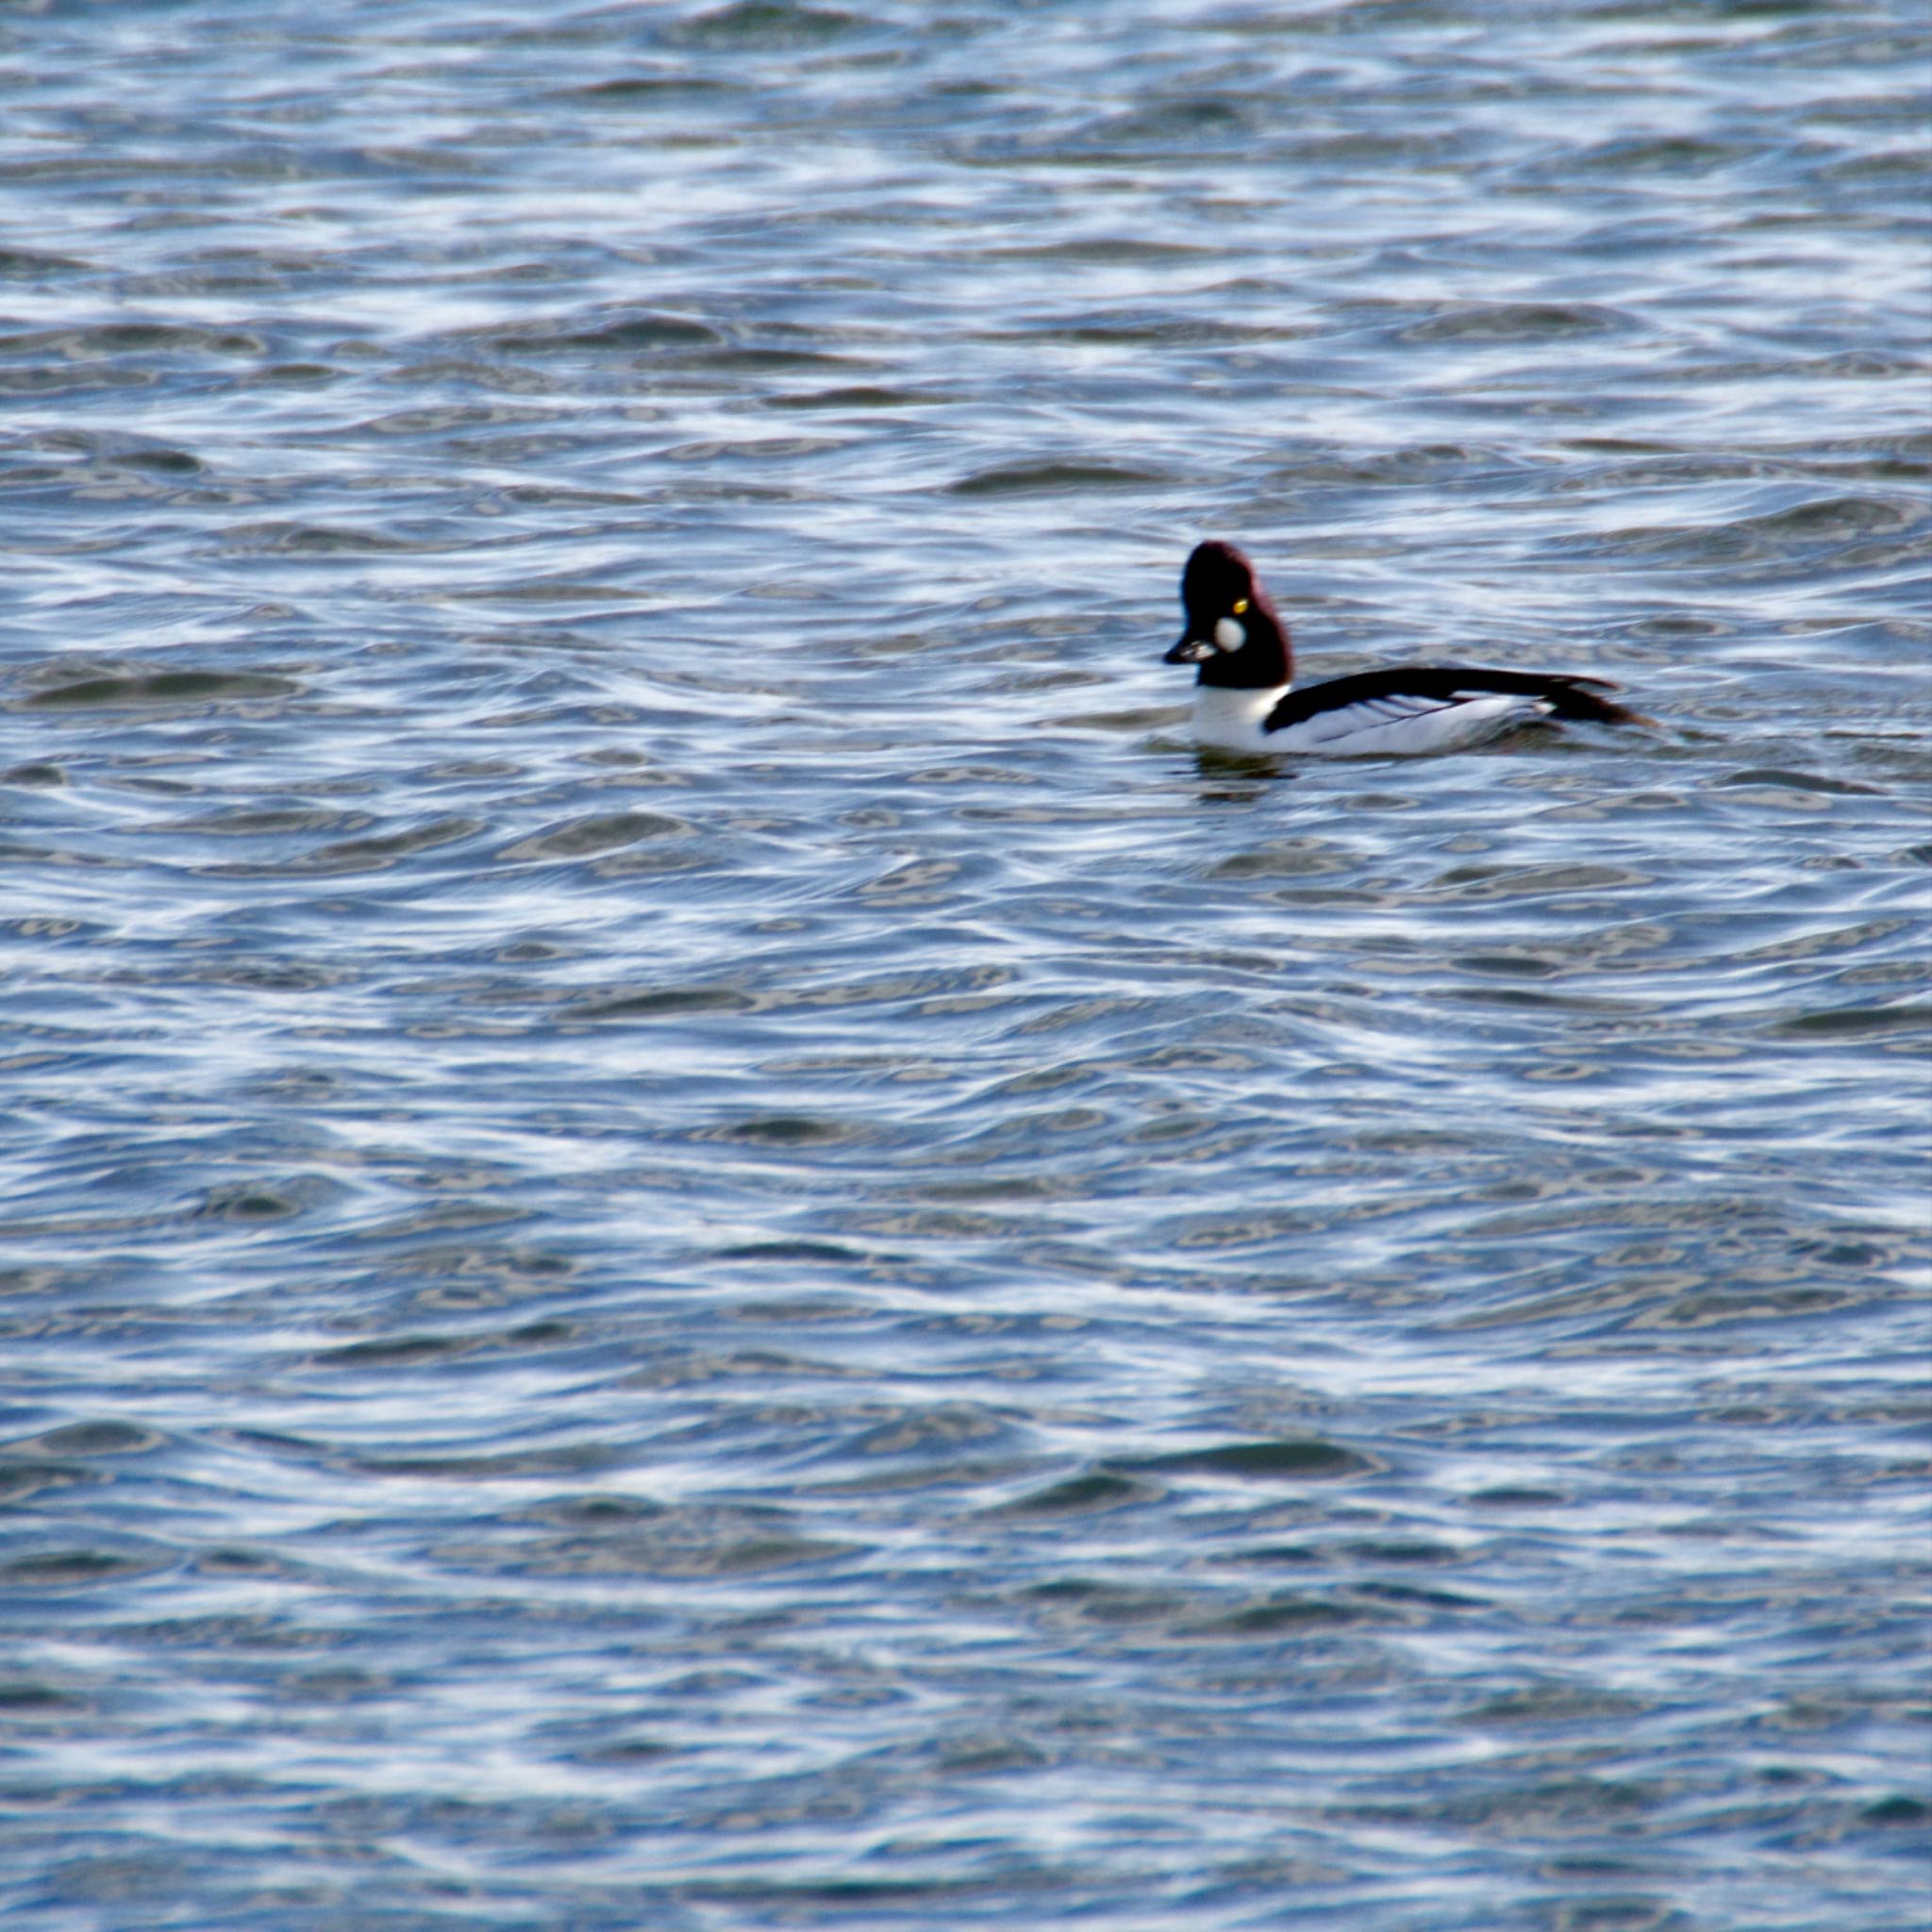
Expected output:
(695, 1232)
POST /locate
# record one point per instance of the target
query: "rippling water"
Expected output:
(694, 1233)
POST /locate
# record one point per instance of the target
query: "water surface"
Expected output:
(693, 1233)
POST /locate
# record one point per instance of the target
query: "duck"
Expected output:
(1245, 699)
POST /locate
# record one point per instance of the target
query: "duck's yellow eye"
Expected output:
(1241, 606)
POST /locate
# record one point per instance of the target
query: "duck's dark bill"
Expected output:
(1191, 650)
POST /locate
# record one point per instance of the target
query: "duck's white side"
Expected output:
(1400, 724)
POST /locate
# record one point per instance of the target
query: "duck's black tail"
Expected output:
(1568, 696)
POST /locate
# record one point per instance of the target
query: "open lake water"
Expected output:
(695, 1234)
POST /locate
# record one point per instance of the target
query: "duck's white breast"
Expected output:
(1231, 719)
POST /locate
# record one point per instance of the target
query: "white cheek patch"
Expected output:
(1230, 635)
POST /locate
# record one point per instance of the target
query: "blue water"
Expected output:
(695, 1234)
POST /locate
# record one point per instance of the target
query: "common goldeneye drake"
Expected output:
(1244, 700)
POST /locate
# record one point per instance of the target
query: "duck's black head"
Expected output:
(1233, 632)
